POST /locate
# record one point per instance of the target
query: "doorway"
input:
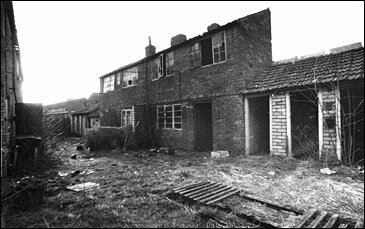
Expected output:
(203, 126)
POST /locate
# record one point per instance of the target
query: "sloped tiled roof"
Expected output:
(92, 104)
(347, 65)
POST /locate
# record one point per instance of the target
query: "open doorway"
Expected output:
(203, 126)
(304, 123)
(258, 126)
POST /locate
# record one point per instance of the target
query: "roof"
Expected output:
(92, 104)
(347, 65)
(191, 40)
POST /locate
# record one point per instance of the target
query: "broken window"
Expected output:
(206, 46)
(130, 77)
(213, 49)
(169, 60)
(169, 116)
(194, 55)
(219, 47)
(108, 83)
(161, 66)
(127, 117)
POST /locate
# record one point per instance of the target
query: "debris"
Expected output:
(219, 154)
(75, 173)
(62, 174)
(70, 215)
(271, 173)
(114, 164)
(166, 150)
(73, 156)
(328, 171)
(79, 147)
(82, 186)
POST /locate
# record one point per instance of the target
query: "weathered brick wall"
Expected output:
(328, 109)
(29, 119)
(278, 122)
(228, 124)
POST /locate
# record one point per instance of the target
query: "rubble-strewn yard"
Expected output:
(133, 186)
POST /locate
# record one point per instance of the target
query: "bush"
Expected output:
(106, 138)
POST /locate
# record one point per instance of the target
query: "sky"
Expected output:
(66, 46)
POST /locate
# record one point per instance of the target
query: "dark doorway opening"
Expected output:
(203, 126)
(259, 126)
(304, 123)
(352, 122)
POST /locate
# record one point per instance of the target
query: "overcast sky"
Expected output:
(66, 46)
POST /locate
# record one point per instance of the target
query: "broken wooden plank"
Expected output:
(195, 189)
(203, 190)
(331, 221)
(82, 186)
(343, 225)
(359, 223)
(319, 218)
(305, 218)
(190, 186)
(208, 191)
(211, 193)
(270, 203)
(216, 195)
(224, 196)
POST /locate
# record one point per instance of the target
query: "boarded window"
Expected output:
(130, 77)
(194, 55)
(161, 66)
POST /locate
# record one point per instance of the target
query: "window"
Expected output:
(127, 117)
(219, 47)
(154, 66)
(108, 83)
(213, 49)
(130, 77)
(194, 55)
(169, 63)
(161, 66)
(119, 76)
(169, 116)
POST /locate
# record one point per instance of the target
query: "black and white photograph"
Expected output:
(182, 114)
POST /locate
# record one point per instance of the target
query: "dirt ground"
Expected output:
(132, 189)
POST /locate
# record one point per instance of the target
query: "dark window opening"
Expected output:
(206, 46)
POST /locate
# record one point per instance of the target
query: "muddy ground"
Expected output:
(134, 190)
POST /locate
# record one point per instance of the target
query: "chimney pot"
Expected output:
(150, 49)
(213, 26)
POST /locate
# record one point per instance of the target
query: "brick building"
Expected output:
(192, 91)
(11, 80)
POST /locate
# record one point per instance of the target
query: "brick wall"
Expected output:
(248, 45)
(29, 119)
(328, 109)
(278, 123)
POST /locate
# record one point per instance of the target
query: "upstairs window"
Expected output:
(119, 76)
(169, 60)
(130, 77)
(127, 117)
(194, 55)
(169, 116)
(219, 47)
(161, 66)
(108, 83)
(154, 69)
(213, 49)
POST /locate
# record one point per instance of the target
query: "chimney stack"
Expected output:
(178, 39)
(150, 49)
(213, 26)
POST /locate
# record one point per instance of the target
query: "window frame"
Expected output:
(130, 73)
(125, 117)
(197, 54)
(169, 67)
(219, 47)
(173, 117)
(111, 81)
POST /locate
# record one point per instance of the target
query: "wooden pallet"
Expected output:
(207, 192)
(322, 219)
